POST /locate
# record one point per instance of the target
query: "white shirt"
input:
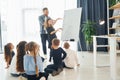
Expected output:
(71, 59)
(12, 67)
(45, 21)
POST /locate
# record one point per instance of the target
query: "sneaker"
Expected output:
(60, 70)
(24, 75)
(15, 75)
(54, 73)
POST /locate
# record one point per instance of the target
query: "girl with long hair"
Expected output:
(9, 53)
(20, 55)
(33, 65)
(51, 31)
(18, 69)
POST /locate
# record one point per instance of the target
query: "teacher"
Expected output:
(43, 33)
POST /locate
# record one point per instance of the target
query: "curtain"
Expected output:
(93, 10)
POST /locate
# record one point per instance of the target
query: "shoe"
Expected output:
(24, 75)
(15, 75)
(60, 70)
(54, 73)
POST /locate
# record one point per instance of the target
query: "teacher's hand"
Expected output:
(59, 19)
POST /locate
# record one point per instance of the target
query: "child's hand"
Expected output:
(59, 29)
(59, 19)
(78, 64)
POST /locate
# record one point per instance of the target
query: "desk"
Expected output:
(95, 46)
(113, 53)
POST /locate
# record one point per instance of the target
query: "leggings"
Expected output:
(34, 77)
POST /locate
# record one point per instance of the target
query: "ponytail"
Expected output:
(31, 46)
(36, 67)
(7, 53)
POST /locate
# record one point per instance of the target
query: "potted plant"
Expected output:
(113, 2)
(88, 31)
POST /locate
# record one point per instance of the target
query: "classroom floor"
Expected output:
(86, 71)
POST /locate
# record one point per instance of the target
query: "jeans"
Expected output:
(66, 66)
(44, 38)
(34, 77)
(51, 68)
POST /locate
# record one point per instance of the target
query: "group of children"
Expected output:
(28, 63)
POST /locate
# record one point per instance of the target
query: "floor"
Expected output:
(86, 71)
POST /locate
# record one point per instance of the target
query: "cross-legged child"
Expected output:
(16, 68)
(33, 65)
(58, 55)
(71, 59)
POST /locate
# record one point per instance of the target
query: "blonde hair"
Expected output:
(32, 46)
(66, 45)
(56, 42)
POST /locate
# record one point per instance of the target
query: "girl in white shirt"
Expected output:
(71, 59)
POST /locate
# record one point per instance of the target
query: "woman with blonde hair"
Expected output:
(33, 65)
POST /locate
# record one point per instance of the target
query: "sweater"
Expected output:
(29, 64)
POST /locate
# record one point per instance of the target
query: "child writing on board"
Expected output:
(51, 31)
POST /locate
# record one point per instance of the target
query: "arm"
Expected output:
(40, 64)
(50, 56)
(25, 62)
(54, 21)
(64, 54)
(55, 31)
(76, 58)
(41, 21)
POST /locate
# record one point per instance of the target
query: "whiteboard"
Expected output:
(71, 24)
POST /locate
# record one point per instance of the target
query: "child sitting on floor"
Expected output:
(58, 55)
(9, 53)
(16, 68)
(33, 64)
(72, 59)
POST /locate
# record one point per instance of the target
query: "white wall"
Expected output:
(12, 11)
(12, 14)
(57, 8)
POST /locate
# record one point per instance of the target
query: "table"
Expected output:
(113, 53)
